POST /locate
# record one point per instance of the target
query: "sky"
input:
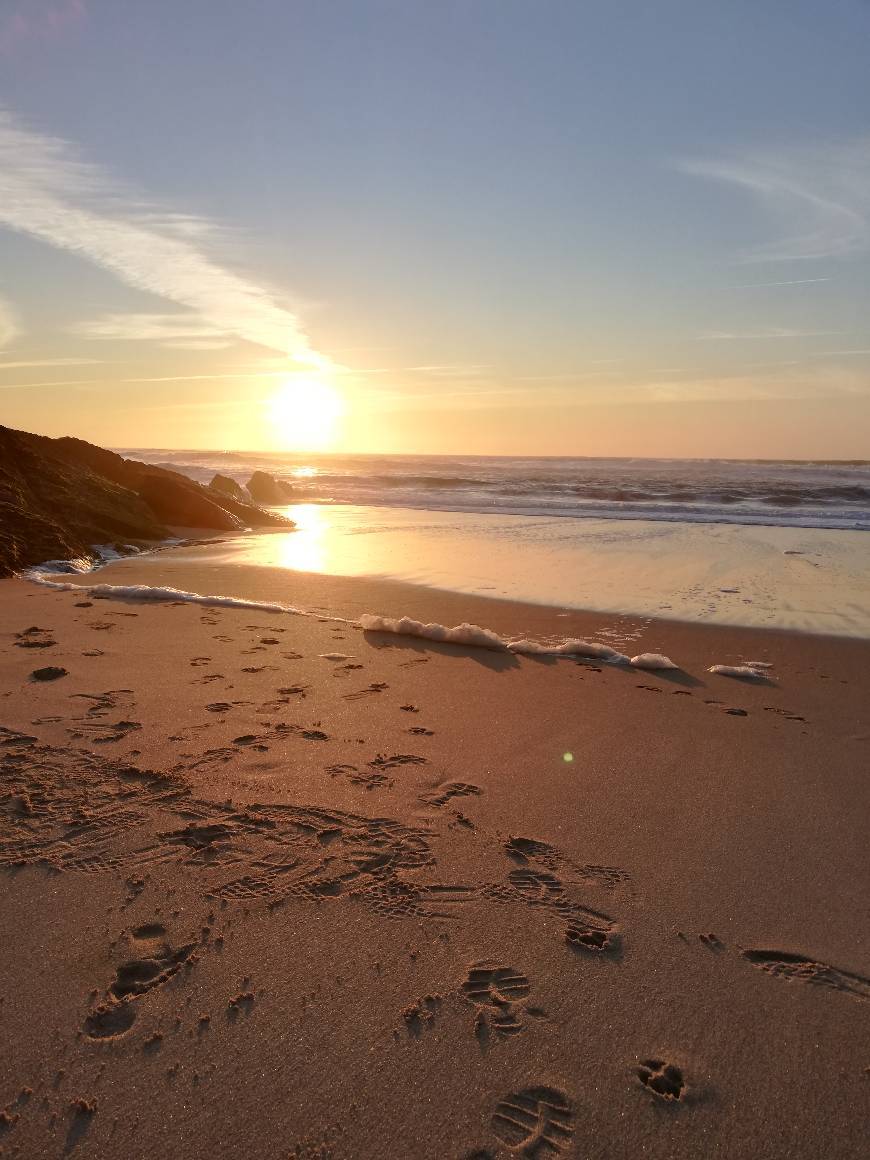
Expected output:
(544, 227)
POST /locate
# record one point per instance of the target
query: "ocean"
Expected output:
(763, 544)
(715, 491)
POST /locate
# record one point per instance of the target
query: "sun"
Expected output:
(304, 413)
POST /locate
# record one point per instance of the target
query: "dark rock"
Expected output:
(225, 486)
(264, 488)
(50, 673)
(60, 497)
(52, 509)
(177, 503)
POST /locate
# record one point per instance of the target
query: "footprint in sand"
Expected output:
(664, 1080)
(154, 965)
(581, 937)
(34, 637)
(420, 1016)
(370, 690)
(499, 993)
(252, 740)
(785, 965)
(535, 1122)
(396, 759)
(441, 794)
(536, 885)
(368, 779)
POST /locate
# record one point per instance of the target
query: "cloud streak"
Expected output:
(790, 282)
(8, 324)
(48, 193)
(762, 332)
(21, 364)
(176, 331)
(819, 197)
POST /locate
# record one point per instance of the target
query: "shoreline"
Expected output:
(732, 576)
(348, 598)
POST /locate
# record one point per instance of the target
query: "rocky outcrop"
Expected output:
(132, 473)
(178, 504)
(51, 509)
(225, 486)
(264, 488)
(60, 497)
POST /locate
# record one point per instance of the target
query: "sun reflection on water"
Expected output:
(305, 549)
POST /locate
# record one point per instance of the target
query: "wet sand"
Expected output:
(800, 579)
(276, 887)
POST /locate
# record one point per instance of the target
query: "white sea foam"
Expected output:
(477, 637)
(146, 592)
(77, 567)
(569, 648)
(469, 634)
(750, 670)
(652, 661)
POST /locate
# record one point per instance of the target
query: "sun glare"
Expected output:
(304, 413)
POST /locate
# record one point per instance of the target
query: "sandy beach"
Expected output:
(281, 887)
(434, 581)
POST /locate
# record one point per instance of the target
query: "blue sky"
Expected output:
(490, 226)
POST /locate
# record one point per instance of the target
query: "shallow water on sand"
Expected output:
(797, 578)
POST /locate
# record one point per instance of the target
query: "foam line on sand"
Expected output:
(751, 670)
(468, 635)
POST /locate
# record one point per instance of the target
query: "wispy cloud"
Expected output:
(569, 376)
(452, 370)
(184, 331)
(22, 364)
(37, 20)
(48, 193)
(8, 323)
(762, 332)
(798, 382)
(838, 353)
(818, 197)
(789, 282)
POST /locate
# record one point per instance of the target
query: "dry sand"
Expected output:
(262, 903)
